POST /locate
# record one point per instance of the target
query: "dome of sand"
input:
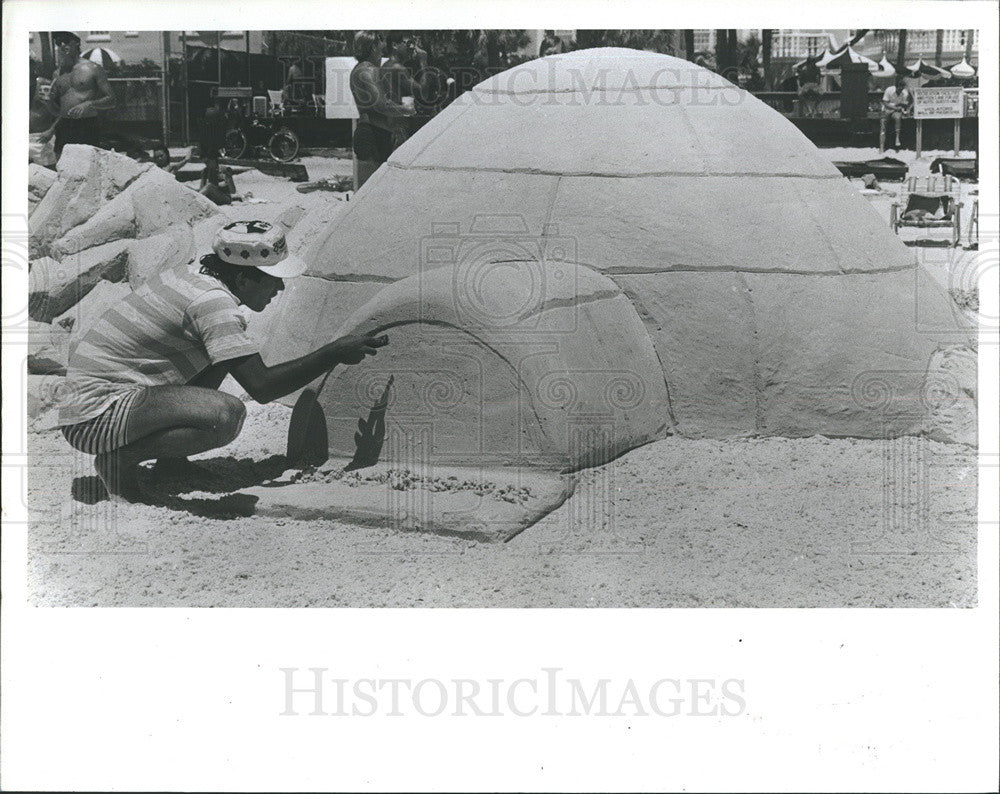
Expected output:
(612, 219)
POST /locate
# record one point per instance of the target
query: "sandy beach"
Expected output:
(753, 522)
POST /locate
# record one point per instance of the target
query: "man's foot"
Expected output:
(120, 475)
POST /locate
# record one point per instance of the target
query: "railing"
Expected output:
(796, 45)
(827, 105)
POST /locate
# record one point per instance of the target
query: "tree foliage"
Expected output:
(664, 41)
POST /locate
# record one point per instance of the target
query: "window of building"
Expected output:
(131, 34)
(98, 35)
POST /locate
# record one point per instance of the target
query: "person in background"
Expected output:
(78, 94)
(896, 102)
(551, 44)
(161, 158)
(809, 89)
(216, 184)
(398, 83)
(294, 75)
(377, 114)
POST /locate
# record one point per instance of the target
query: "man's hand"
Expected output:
(353, 348)
(77, 111)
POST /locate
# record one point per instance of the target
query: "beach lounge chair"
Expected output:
(930, 203)
(961, 168)
(887, 169)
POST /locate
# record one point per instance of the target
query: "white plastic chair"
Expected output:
(277, 102)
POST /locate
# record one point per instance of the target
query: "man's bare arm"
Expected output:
(264, 383)
(106, 99)
(52, 104)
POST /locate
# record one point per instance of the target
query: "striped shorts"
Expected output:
(106, 431)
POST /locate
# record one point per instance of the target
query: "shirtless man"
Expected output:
(377, 113)
(79, 92)
(397, 81)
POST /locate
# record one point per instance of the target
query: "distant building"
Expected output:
(132, 46)
(793, 45)
(923, 44)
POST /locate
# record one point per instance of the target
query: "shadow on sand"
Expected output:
(169, 489)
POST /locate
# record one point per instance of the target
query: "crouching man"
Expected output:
(143, 380)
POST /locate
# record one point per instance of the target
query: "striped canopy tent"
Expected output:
(923, 69)
(885, 69)
(827, 56)
(963, 70)
(103, 57)
(846, 56)
(809, 59)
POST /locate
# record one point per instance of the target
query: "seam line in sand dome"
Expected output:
(354, 278)
(360, 278)
(610, 175)
(758, 380)
(855, 271)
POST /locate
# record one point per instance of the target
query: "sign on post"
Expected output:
(947, 102)
(938, 103)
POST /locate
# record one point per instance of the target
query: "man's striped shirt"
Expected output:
(163, 334)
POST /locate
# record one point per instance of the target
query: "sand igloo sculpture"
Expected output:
(603, 248)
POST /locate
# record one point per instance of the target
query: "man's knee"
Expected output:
(231, 413)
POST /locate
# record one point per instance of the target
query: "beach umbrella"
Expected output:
(849, 56)
(963, 70)
(924, 69)
(103, 57)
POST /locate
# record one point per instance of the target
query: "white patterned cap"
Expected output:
(257, 244)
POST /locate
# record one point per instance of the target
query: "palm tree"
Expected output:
(726, 54)
(767, 38)
(48, 58)
(901, 50)
(721, 51)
